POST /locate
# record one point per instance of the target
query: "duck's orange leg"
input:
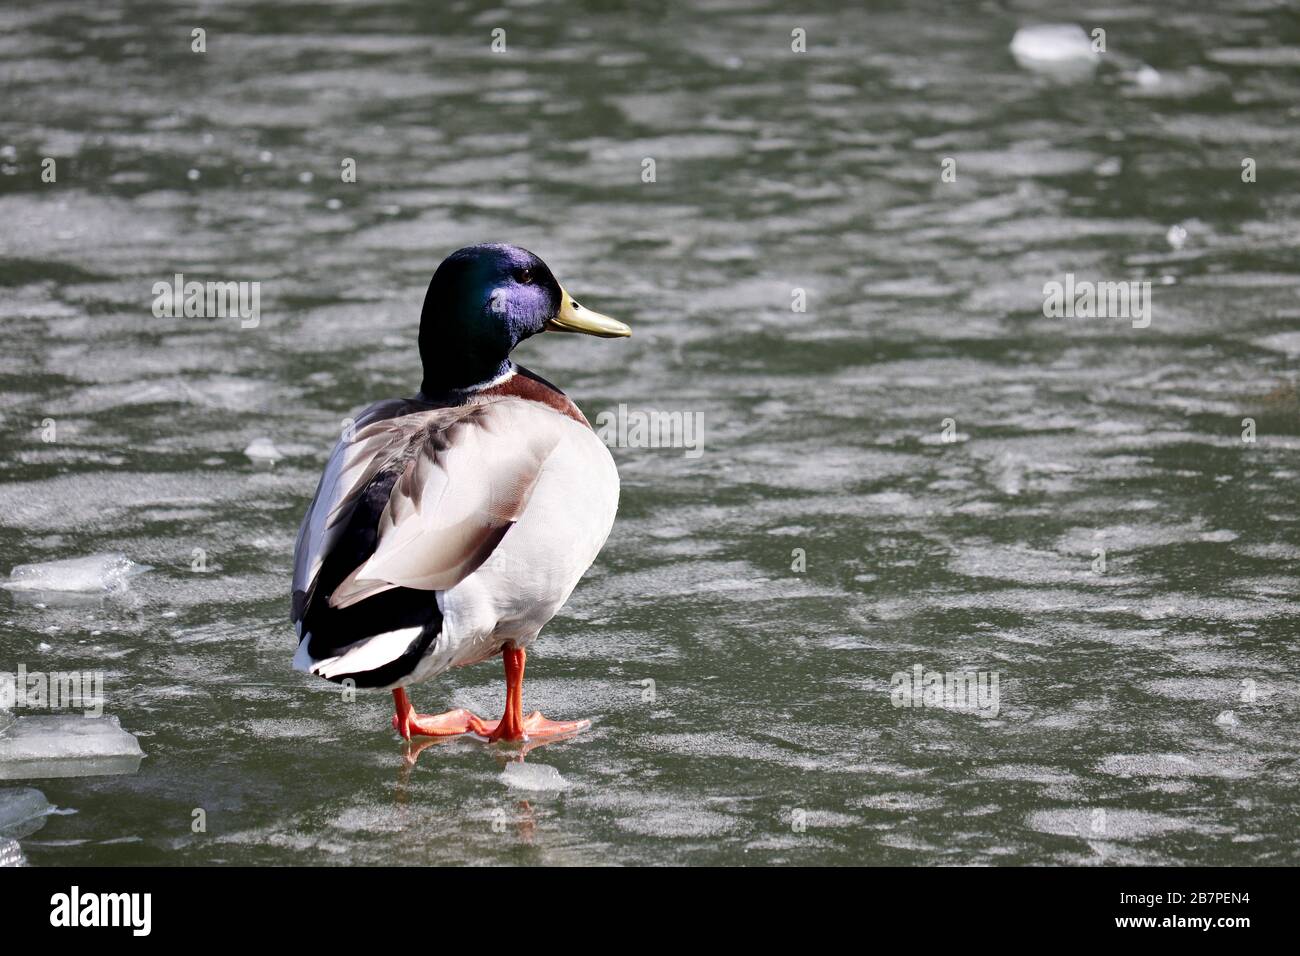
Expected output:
(408, 723)
(513, 725)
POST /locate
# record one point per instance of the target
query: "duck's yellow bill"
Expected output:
(573, 317)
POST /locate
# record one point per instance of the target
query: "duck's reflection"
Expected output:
(525, 817)
(504, 752)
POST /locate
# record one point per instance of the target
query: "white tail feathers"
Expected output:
(366, 655)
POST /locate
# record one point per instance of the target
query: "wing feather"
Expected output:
(464, 475)
(353, 464)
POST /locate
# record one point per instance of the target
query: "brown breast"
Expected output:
(524, 384)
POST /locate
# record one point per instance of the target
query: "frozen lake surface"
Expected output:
(742, 710)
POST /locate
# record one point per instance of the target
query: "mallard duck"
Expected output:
(448, 528)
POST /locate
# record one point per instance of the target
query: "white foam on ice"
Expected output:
(1288, 342)
(1176, 765)
(533, 776)
(1105, 823)
(96, 572)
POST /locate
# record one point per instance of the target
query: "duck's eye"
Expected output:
(524, 276)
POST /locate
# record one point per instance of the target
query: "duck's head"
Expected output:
(482, 302)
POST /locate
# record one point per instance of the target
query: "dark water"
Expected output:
(771, 736)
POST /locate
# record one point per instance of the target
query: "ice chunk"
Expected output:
(1060, 49)
(96, 572)
(533, 776)
(22, 811)
(1147, 76)
(67, 745)
(1227, 719)
(11, 854)
(263, 450)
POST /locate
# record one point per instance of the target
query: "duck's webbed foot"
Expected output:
(532, 727)
(513, 725)
(454, 722)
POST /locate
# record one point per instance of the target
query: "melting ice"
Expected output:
(96, 572)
